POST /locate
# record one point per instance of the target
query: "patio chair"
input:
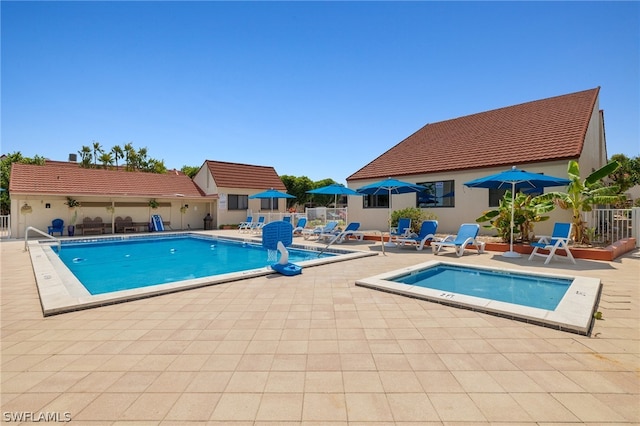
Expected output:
(57, 225)
(302, 222)
(466, 236)
(403, 230)
(427, 233)
(339, 236)
(319, 230)
(558, 240)
(246, 225)
(256, 227)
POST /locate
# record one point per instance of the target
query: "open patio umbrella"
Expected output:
(516, 179)
(271, 194)
(334, 189)
(390, 186)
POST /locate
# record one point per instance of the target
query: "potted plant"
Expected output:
(153, 203)
(73, 204)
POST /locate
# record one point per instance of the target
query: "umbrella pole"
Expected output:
(512, 253)
(389, 243)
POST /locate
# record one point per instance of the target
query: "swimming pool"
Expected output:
(61, 291)
(459, 286)
(142, 262)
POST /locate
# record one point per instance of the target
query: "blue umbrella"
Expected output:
(390, 186)
(516, 179)
(334, 189)
(271, 194)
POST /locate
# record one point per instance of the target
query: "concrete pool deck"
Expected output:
(316, 349)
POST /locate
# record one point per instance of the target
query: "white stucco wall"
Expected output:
(470, 203)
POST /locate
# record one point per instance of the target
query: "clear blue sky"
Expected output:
(313, 89)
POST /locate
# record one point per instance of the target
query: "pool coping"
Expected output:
(574, 313)
(60, 291)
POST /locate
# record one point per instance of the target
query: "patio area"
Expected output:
(316, 349)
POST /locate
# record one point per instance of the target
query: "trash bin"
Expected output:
(208, 222)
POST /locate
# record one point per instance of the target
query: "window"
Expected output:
(495, 195)
(237, 202)
(437, 194)
(265, 204)
(375, 201)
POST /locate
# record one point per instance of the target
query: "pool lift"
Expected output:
(276, 236)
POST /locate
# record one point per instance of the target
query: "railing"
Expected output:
(5, 226)
(31, 228)
(321, 215)
(607, 226)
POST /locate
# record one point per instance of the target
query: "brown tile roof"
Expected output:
(60, 178)
(544, 130)
(236, 175)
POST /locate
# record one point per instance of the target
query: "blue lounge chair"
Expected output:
(246, 225)
(302, 222)
(319, 230)
(256, 227)
(339, 236)
(427, 233)
(559, 240)
(57, 225)
(466, 236)
(403, 230)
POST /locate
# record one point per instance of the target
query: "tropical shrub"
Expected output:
(582, 196)
(416, 215)
(527, 211)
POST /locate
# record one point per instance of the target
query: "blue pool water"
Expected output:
(520, 289)
(113, 265)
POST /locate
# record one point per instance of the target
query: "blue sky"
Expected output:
(313, 89)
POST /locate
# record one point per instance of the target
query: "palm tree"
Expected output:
(129, 153)
(85, 156)
(581, 196)
(106, 159)
(117, 153)
(96, 149)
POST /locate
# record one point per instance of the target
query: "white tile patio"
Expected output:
(315, 349)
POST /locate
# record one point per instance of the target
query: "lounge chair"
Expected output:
(246, 225)
(319, 230)
(466, 236)
(559, 240)
(256, 227)
(427, 233)
(403, 230)
(302, 222)
(350, 231)
(57, 225)
(339, 236)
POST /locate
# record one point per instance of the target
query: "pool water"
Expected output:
(113, 265)
(527, 290)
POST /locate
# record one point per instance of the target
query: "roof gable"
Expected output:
(544, 130)
(55, 178)
(236, 175)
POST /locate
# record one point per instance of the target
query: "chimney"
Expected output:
(73, 158)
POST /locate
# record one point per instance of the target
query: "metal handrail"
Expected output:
(31, 228)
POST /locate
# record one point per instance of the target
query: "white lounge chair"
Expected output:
(427, 233)
(351, 230)
(302, 222)
(246, 225)
(466, 236)
(256, 227)
(559, 240)
(319, 230)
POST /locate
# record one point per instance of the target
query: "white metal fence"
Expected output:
(610, 225)
(321, 215)
(5, 226)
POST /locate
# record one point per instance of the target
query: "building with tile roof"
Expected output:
(111, 194)
(539, 136)
(232, 183)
